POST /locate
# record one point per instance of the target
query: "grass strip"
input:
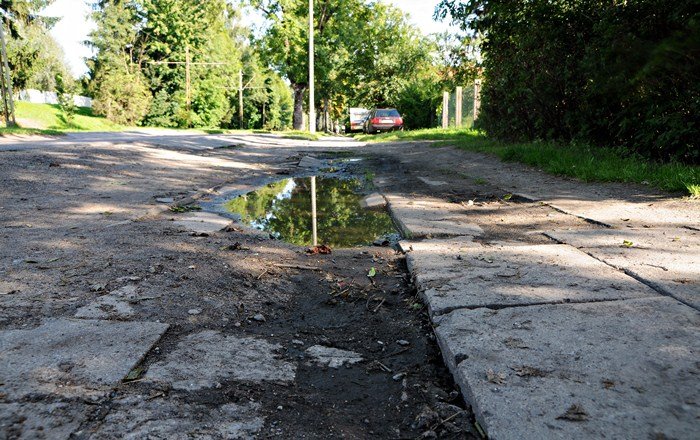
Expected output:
(579, 161)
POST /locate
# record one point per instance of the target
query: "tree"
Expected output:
(365, 52)
(34, 56)
(116, 81)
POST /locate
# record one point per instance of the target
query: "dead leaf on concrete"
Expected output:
(575, 413)
(494, 377)
(608, 383)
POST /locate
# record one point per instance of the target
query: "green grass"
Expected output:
(302, 135)
(47, 119)
(579, 161)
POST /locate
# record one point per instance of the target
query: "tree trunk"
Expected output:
(298, 118)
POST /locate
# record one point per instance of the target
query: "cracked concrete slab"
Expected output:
(516, 275)
(202, 222)
(138, 417)
(430, 218)
(663, 258)
(623, 369)
(37, 420)
(203, 360)
(72, 357)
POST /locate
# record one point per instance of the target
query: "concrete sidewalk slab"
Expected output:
(438, 260)
(202, 222)
(623, 369)
(202, 360)
(430, 218)
(505, 275)
(667, 259)
(72, 357)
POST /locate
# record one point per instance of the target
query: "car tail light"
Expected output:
(375, 120)
(398, 121)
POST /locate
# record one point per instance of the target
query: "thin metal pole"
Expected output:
(314, 231)
(6, 77)
(312, 110)
(188, 92)
(240, 99)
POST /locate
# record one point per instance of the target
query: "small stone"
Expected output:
(398, 377)
(403, 342)
(280, 407)
(259, 317)
(165, 200)
(194, 311)
(297, 342)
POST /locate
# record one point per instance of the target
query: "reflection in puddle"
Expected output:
(284, 210)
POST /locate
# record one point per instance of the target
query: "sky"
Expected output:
(74, 26)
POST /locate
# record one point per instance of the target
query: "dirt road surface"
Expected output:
(125, 313)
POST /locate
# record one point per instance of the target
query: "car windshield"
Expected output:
(391, 113)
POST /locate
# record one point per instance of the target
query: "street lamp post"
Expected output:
(312, 110)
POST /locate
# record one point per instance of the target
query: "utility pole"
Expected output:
(240, 99)
(312, 111)
(8, 103)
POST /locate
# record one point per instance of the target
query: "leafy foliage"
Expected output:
(607, 73)
(34, 57)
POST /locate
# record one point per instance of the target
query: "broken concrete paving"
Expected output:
(72, 357)
(205, 359)
(139, 417)
(631, 366)
(332, 357)
(202, 222)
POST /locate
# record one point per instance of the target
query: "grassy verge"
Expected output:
(47, 119)
(579, 161)
(301, 135)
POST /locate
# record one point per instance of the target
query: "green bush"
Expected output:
(622, 74)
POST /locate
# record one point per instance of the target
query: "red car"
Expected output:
(383, 119)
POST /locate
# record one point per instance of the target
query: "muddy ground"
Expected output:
(81, 222)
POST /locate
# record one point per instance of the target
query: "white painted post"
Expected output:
(458, 107)
(445, 110)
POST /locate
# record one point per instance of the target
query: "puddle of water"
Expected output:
(284, 210)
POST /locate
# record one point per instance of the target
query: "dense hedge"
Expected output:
(608, 73)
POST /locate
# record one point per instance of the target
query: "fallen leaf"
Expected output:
(627, 243)
(322, 249)
(607, 383)
(372, 272)
(507, 197)
(493, 377)
(575, 413)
